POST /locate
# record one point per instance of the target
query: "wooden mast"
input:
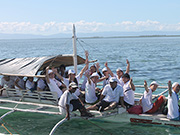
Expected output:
(74, 49)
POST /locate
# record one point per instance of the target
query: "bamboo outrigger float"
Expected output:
(47, 102)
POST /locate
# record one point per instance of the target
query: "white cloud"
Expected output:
(84, 27)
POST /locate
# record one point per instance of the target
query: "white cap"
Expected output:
(113, 79)
(94, 74)
(50, 71)
(154, 82)
(73, 85)
(71, 72)
(104, 69)
(174, 84)
(119, 69)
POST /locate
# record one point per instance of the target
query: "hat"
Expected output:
(73, 85)
(71, 72)
(94, 74)
(174, 84)
(113, 79)
(104, 69)
(154, 82)
(119, 69)
(50, 71)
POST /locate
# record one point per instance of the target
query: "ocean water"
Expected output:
(151, 58)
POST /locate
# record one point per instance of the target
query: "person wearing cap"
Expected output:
(94, 68)
(119, 72)
(72, 77)
(70, 102)
(53, 83)
(105, 73)
(90, 90)
(110, 96)
(146, 100)
(173, 107)
(128, 89)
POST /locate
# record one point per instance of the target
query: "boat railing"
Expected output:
(45, 97)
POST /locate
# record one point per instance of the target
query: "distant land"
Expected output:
(96, 35)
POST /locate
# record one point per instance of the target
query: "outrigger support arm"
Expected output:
(57, 125)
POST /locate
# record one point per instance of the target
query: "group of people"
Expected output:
(117, 90)
(20, 83)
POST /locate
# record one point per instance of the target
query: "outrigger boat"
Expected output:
(47, 102)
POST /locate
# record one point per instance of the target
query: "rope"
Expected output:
(83, 119)
(97, 126)
(6, 129)
(11, 127)
(85, 44)
(57, 55)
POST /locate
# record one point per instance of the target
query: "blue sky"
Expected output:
(56, 16)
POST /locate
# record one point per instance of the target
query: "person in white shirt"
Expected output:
(30, 84)
(70, 102)
(90, 92)
(173, 108)
(110, 97)
(72, 77)
(19, 83)
(41, 84)
(6, 81)
(146, 100)
(105, 73)
(128, 89)
(93, 68)
(119, 72)
(53, 83)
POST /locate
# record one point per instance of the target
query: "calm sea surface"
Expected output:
(150, 59)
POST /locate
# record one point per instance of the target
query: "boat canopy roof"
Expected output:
(30, 66)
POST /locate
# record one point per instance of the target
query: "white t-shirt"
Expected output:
(65, 99)
(83, 86)
(147, 100)
(41, 84)
(29, 85)
(66, 82)
(90, 94)
(112, 95)
(120, 81)
(20, 83)
(128, 94)
(9, 83)
(106, 81)
(173, 108)
(54, 86)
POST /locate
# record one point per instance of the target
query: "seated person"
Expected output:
(90, 93)
(42, 85)
(128, 89)
(30, 84)
(70, 102)
(53, 83)
(6, 81)
(146, 100)
(110, 96)
(19, 83)
(173, 108)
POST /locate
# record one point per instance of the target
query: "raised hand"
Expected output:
(145, 83)
(127, 61)
(86, 54)
(97, 65)
(106, 64)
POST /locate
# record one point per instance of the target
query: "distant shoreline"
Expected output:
(141, 36)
